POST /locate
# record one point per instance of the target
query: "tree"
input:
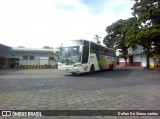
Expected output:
(147, 28)
(147, 11)
(21, 47)
(47, 47)
(117, 36)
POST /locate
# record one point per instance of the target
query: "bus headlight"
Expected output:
(59, 65)
(77, 65)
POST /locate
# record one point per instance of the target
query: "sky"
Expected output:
(38, 23)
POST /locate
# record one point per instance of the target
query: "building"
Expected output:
(10, 57)
(136, 57)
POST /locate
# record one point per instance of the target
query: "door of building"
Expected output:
(131, 60)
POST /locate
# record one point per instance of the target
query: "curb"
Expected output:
(35, 67)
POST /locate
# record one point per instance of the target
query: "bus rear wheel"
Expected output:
(92, 70)
(110, 67)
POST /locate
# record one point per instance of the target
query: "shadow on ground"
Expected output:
(106, 73)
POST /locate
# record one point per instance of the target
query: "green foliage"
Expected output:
(47, 47)
(97, 38)
(147, 10)
(21, 47)
(142, 29)
(147, 28)
(149, 39)
(158, 58)
(117, 35)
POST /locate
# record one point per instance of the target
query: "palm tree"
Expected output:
(97, 39)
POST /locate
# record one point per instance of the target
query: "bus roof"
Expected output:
(96, 44)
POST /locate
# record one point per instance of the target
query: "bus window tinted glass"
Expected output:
(85, 52)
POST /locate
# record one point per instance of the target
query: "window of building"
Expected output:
(25, 57)
(51, 58)
(31, 57)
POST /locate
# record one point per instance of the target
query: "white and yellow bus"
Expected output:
(83, 56)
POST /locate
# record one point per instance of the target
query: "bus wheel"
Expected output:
(73, 73)
(92, 70)
(110, 67)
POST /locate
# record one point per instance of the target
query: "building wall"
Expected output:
(44, 60)
(37, 62)
(138, 61)
(20, 54)
(29, 62)
(139, 57)
(139, 50)
(143, 60)
(40, 58)
(7, 62)
(51, 62)
(122, 62)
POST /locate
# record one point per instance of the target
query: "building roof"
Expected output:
(32, 49)
(7, 48)
(4, 47)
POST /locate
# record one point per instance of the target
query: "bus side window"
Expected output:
(93, 50)
(85, 52)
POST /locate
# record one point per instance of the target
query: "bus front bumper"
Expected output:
(70, 69)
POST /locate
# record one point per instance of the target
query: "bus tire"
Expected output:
(110, 67)
(92, 69)
(73, 73)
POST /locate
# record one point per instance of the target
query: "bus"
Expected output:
(84, 56)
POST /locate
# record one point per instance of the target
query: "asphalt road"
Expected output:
(49, 89)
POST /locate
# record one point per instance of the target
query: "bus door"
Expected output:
(85, 56)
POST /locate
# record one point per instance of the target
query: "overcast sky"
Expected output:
(38, 23)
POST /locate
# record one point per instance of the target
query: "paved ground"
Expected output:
(48, 89)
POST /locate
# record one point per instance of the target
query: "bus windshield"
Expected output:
(69, 55)
(69, 52)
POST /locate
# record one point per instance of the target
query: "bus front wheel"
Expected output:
(73, 73)
(92, 70)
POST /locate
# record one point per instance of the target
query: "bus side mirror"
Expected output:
(81, 49)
